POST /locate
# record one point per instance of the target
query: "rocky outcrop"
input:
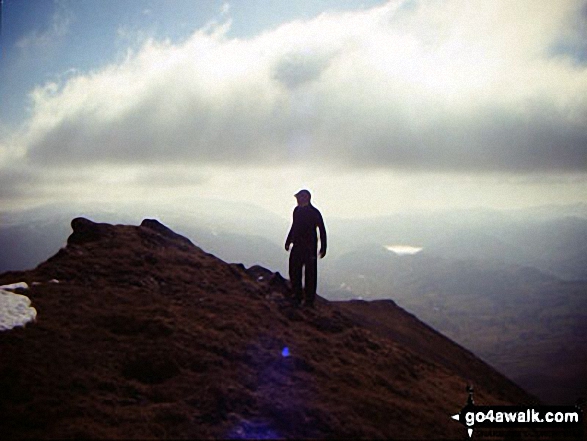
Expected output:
(85, 231)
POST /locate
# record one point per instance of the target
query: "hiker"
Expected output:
(306, 218)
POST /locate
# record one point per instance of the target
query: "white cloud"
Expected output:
(430, 86)
(445, 85)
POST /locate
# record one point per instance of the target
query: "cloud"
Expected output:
(297, 69)
(436, 85)
(169, 177)
(58, 28)
(30, 184)
(16, 183)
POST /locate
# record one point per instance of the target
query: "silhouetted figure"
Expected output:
(303, 236)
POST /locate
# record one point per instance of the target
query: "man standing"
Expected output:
(303, 236)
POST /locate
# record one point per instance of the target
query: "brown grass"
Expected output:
(148, 336)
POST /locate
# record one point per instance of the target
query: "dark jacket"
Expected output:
(303, 230)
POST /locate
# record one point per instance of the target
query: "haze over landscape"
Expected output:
(444, 142)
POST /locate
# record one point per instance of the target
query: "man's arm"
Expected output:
(289, 239)
(322, 229)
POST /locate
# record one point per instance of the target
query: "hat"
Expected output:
(303, 192)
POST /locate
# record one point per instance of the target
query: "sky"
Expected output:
(377, 107)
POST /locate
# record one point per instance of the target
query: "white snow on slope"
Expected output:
(13, 286)
(15, 309)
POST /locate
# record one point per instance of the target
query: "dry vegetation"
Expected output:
(146, 335)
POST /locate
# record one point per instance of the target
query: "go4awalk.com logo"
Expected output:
(511, 417)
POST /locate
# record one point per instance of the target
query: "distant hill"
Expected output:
(235, 232)
(528, 324)
(145, 335)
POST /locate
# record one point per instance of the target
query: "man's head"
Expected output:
(303, 197)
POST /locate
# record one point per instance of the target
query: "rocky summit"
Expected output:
(141, 334)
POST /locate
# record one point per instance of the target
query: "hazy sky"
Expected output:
(375, 106)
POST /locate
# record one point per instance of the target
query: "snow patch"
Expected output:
(14, 286)
(40, 283)
(15, 310)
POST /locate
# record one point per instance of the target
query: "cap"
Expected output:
(303, 192)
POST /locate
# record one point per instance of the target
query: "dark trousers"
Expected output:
(300, 258)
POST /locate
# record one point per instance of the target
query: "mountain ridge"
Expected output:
(147, 335)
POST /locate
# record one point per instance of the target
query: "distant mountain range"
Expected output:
(509, 285)
(141, 334)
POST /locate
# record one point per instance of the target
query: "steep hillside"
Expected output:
(146, 335)
(528, 324)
